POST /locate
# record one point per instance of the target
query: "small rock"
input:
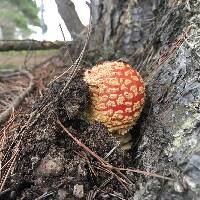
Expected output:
(51, 166)
(178, 187)
(78, 191)
(62, 194)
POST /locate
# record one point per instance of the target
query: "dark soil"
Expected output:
(51, 163)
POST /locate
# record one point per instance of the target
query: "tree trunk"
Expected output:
(120, 27)
(20, 45)
(162, 39)
(152, 34)
(67, 11)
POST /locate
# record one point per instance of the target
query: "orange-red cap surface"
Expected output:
(117, 93)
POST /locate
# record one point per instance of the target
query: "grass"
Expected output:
(15, 59)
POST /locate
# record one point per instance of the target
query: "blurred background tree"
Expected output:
(15, 18)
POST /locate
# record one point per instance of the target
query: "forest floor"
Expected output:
(42, 167)
(17, 59)
(50, 150)
(40, 65)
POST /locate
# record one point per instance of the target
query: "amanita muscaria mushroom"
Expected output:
(117, 95)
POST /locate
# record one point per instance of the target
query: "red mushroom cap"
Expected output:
(117, 93)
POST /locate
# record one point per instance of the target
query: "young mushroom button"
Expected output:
(117, 94)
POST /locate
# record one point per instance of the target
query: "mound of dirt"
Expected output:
(52, 165)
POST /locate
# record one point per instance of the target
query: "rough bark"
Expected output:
(170, 142)
(67, 11)
(20, 45)
(120, 27)
(152, 34)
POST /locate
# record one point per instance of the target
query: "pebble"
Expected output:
(78, 191)
(178, 187)
(51, 166)
(62, 194)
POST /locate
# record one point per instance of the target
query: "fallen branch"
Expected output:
(4, 75)
(5, 115)
(19, 45)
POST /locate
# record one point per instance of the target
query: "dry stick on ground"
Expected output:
(75, 67)
(6, 168)
(28, 55)
(4, 75)
(3, 137)
(92, 193)
(35, 115)
(78, 61)
(44, 196)
(12, 160)
(87, 161)
(105, 163)
(8, 124)
(106, 166)
(5, 115)
(18, 45)
(66, 47)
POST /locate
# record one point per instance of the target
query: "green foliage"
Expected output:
(16, 18)
(18, 58)
(18, 14)
(29, 9)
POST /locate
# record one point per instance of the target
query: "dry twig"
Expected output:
(75, 67)
(9, 166)
(5, 115)
(108, 167)
(66, 47)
